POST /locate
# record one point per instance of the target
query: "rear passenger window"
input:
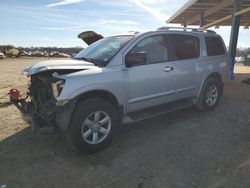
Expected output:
(185, 46)
(214, 46)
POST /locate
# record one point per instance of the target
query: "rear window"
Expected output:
(186, 46)
(214, 46)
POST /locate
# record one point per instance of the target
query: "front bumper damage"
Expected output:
(40, 108)
(61, 115)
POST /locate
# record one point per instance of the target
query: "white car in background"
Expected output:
(2, 56)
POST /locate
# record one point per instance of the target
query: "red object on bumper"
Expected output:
(14, 95)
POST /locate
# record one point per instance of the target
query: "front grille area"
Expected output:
(42, 98)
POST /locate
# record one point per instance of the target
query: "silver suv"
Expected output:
(126, 78)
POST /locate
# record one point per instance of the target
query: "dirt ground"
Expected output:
(184, 149)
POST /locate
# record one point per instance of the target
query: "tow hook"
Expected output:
(20, 103)
(23, 105)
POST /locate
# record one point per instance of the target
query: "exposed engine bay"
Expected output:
(40, 106)
(43, 90)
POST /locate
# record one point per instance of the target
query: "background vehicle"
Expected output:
(2, 56)
(13, 53)
(127, 78)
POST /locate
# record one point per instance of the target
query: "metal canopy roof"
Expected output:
(214, 12)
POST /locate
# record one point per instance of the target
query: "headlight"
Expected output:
(57, 87)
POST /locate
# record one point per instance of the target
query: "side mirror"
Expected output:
(134, 59)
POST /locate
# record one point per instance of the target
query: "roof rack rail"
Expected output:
(134, 32)
(210, 31)
(185, 29)
(177, 28)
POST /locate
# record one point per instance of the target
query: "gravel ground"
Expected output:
(181, 149)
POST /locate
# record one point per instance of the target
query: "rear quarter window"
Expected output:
(214, 46)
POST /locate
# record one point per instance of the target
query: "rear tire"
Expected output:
(93, 125)
(210, 95)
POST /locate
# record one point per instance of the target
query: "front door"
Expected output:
(152, 83)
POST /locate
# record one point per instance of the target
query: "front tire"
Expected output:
(93, 125)
(210, 95)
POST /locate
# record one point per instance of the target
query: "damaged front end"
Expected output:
(40, 108)
(43, 90)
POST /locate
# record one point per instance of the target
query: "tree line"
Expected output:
(69, 50)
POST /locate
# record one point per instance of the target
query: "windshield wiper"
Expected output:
(91, 60)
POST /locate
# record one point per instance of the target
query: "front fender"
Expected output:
(86, 89)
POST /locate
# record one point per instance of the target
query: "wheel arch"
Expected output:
(215, 75)
(102, 94)
(215, 78)
(64, 116)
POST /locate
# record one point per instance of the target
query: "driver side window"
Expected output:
(155, 48)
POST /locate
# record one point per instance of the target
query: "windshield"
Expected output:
(102, 51)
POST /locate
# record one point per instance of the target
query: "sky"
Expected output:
(58, 22)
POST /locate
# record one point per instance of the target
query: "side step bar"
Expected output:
(157, 110)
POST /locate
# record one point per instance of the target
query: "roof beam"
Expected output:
(243, 11)
(182, 9)
(210, 11)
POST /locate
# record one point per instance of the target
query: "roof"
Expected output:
(215, 12)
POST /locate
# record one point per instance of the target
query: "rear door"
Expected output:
(187, 63)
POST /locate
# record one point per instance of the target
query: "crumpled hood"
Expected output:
(57, 65)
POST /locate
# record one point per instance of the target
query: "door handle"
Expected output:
(168, 69)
